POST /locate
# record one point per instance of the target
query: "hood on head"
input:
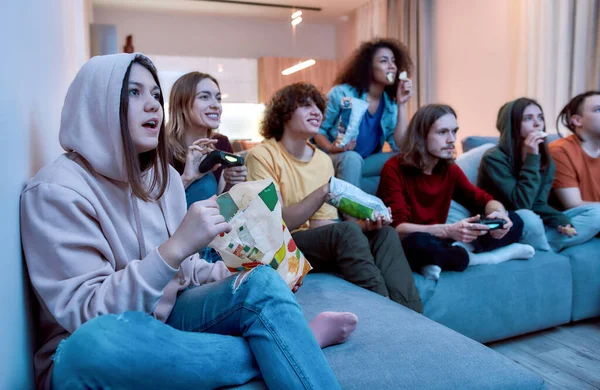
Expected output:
(90, 124)
(504, 126)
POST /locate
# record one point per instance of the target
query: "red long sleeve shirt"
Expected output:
(415, 197)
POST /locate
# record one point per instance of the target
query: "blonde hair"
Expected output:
(181, 103)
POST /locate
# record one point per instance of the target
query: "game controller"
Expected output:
(493, 224)
(219, 157)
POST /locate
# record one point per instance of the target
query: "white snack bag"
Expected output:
(355, 202)
(259, 235)
(351, 114)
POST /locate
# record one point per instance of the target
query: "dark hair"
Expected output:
(157, 158)
(358, 71)
(516, 119)
(414, 144)
(283, 104)
(572, 108)
(181, 103)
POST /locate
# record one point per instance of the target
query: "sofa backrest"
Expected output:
(475, 141)
(469, 161)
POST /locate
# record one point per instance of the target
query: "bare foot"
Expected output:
(331, 328)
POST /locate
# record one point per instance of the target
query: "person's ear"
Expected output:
(576, 120)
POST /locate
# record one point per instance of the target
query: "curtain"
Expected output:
(371, 21)
(558, 51)
(410, 22)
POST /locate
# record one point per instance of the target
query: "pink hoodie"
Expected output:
(90, 245)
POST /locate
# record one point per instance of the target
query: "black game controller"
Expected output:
(218, 157)
(493, 224)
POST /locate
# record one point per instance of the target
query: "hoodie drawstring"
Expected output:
(138, 227)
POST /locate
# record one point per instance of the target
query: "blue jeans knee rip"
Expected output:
(241, 278)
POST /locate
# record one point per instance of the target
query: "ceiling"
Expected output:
(331, 10)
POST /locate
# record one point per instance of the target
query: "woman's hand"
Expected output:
(201, 224)
(334, 148)
(533, 141)
(404, 91)
(197, 152)
(567, 230)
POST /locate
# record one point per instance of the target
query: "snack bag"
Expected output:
(355, 202)
(259, 235)
(351, 114)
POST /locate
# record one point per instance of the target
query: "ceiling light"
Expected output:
(297, 67)
(297, 21)
(296, 14)
(224, 96)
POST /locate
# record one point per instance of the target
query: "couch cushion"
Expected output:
(469, 161)
(394, 347)
(471, 142)
(585, 266)
(493, 302)
(372, 171)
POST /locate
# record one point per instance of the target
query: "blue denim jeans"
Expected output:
(217, 335)
(585, 219)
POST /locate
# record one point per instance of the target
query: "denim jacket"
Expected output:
(334, 108)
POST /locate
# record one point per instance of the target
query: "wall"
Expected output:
(270, 80)
(473, 53)
(346, 38)
(46, 42)
(180, 34)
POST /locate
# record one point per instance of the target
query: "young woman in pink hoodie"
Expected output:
(125, 300)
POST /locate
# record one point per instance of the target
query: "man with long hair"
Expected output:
(418, 186)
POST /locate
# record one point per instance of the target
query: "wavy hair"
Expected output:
(181, 103)
(284, 103)
(358, 71)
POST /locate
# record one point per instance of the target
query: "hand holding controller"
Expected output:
(219, 157)
(493, 224)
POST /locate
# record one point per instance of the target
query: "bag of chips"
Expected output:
(356, 203)
(259, 235)
(351, 114)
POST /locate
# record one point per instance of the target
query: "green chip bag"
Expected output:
(356, 203)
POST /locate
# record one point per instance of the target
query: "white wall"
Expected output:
(180, 34)
(473, 67)
(43, 45)
(346, 37)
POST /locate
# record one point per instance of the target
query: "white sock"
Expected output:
(500, 255)
(431, 271)
(467, 245)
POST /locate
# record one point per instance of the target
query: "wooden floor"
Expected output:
(567, 357)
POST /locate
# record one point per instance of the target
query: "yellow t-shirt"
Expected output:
(295, 179)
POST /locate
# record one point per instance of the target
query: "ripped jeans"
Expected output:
(219, 334)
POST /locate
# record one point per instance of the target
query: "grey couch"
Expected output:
(395, 348)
